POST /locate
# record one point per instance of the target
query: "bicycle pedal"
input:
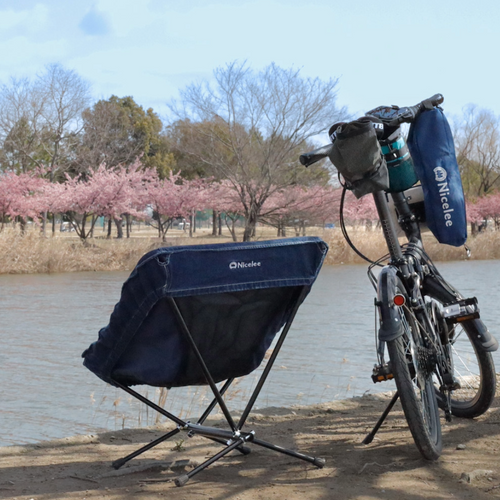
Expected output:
(461, 310)
(450, 383)
(381, 373)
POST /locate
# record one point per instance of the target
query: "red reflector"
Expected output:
(399, 300)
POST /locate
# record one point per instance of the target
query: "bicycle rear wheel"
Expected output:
(471, 366)
(412, 366)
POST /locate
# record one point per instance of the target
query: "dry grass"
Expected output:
(33, 253)
(372, 244)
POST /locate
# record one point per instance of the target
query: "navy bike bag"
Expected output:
(433, 152)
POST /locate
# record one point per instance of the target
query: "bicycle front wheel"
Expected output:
(412, 366)
(472, 368)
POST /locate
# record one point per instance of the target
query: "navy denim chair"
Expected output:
(200, 315)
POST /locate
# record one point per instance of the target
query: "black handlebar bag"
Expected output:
(357, 156)
(433, 151)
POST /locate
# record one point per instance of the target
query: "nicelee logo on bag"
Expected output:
(441, 175)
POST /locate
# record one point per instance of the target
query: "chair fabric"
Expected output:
(233, 297)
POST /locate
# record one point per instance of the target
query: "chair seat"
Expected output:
(234, 297)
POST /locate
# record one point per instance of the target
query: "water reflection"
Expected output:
(48, 320)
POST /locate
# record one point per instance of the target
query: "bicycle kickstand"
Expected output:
(369, 438)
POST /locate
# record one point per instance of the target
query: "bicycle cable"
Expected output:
(344, 229)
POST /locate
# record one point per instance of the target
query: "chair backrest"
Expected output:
(234, 298)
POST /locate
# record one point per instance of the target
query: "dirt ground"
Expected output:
(389, 468)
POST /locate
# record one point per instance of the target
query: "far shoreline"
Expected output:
(33, 253)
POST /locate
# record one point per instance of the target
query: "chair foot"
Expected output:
(119, 463)
(181, 480)
(319, 462)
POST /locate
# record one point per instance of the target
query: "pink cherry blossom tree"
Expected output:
(474, 215)
(22, 195)
(174, 197)
(223, 198)
(193, 195)
(108, 193)
(360, 211)
(484, 209)
(299, 205)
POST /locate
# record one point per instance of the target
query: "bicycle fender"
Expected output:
(484, 339)
(390, 323)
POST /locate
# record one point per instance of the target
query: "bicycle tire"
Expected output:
(473, 368)
(415, 387)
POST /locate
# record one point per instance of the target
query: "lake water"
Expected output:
(46, 321)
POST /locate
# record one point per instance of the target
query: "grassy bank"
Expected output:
(33, 253)
(371, 243)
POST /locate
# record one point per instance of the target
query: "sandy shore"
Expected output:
(389, 468)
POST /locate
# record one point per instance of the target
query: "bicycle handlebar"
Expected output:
(394, 116)
(308, 159)
(389, 115)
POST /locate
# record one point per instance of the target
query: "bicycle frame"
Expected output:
(405, 265)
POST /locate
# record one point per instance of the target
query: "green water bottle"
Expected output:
(402, 175)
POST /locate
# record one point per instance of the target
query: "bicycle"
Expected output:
(439, 350)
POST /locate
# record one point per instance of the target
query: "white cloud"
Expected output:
(21, 56)
(128, 16)
(31, 20)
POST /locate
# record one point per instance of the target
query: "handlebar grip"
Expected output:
(307, 159)
(410, 113)
(432, 102)
(436, 99)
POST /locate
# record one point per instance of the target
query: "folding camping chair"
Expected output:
(198, 315)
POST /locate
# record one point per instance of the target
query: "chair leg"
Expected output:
(244, 450)
(318, 462)
(122, 461)
(369, 438)
(182, 480)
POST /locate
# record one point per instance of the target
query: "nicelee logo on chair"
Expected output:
(243, 265)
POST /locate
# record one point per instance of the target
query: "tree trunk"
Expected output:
(119, 228)
(91, 234)
(215, 218)
(128, 224)
(232, 227)
(83, 233)
(44, 223)
(250, 223)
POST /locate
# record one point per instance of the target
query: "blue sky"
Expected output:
(388, 52)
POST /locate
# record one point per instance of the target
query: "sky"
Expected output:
(387, 52)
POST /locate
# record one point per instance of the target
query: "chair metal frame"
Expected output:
(234, 437)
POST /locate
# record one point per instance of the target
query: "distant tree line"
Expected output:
(231, 145)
